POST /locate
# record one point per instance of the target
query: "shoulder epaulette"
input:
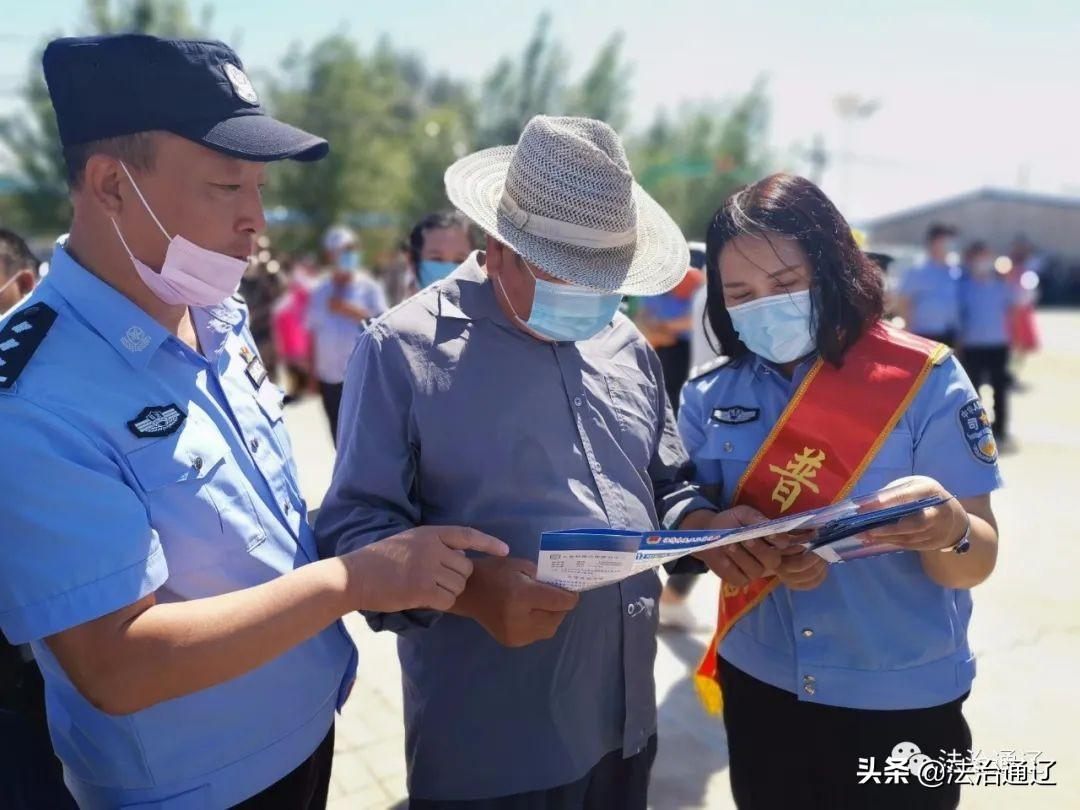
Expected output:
(941, 354)
(709, 367)
(20, 338)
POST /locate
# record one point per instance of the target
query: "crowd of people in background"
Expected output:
(981, 306)
(307, 313)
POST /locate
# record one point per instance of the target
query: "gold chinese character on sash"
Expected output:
(730, 590)
(795, 475)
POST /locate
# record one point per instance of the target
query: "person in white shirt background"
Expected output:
(340, 305)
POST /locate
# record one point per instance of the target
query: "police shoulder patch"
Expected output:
(977, 432)
(157, 420)
(699, 371)
(20, 338)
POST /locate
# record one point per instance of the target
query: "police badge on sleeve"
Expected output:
(977, 432)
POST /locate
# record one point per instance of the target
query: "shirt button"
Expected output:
(255, 445)
(808, 679)
(728, 447)
(197, 463)
(807, 632)
(809, 689)
(577, 401)
(287, 507)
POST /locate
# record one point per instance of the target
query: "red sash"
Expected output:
(824, 440)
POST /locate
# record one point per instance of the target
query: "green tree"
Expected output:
(537, 82)
(40, 203)
(516, 90)
(392, 128)
(604, 90)
(692, 161)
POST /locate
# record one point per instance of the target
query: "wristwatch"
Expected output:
(963, 545)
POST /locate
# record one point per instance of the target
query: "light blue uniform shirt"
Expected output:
(984, 310)
(932, 292)
(336, 335)
(98, 514)
(878, 633)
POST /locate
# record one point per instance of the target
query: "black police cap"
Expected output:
(107, 86)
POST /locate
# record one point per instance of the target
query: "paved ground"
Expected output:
(1025, 630)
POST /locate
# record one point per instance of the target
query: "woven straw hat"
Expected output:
(564, 200)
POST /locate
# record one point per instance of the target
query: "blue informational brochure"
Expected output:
(582, 559)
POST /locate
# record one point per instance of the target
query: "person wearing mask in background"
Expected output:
(438, 244)
(514, 397)
(18, 270)
(156, 551)
(928, 294)
(666, 322)
(850, 660)
(340, 305)
(987, 301)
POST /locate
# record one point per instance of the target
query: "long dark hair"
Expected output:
(846, 289)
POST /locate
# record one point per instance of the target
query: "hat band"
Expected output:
(564, 232)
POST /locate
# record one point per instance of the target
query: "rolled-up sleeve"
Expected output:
(669, 468)
(77, 541)
(373, 494)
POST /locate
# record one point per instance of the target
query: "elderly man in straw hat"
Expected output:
(513, 397)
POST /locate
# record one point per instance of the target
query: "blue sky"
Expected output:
(972, 93)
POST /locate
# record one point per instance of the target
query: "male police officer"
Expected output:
(156, 549)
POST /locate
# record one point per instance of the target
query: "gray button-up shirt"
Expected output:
(452, 415)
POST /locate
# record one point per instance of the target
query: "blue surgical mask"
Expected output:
(567, 313)
(777, 327)
(431, 271)
(349, 260)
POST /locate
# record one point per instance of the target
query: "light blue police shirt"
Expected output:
(336, 335)
(932, 293)
(878, 633)
(984, 310)
(135, 465)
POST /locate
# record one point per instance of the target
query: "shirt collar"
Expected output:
(469, 294)
(123, 324)
(763, 368)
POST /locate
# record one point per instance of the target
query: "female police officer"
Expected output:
(816, 398)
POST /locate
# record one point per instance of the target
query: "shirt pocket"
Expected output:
(634, 402)
(895, 459)
(200, 503)
(724, 457)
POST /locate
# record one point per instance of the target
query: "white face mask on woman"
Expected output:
(190, 275)
(776, 327)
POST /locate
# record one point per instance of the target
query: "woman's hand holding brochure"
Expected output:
(582, 559)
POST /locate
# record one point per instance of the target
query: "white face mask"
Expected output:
(566, 312)
(190, 275)
(777, 327)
